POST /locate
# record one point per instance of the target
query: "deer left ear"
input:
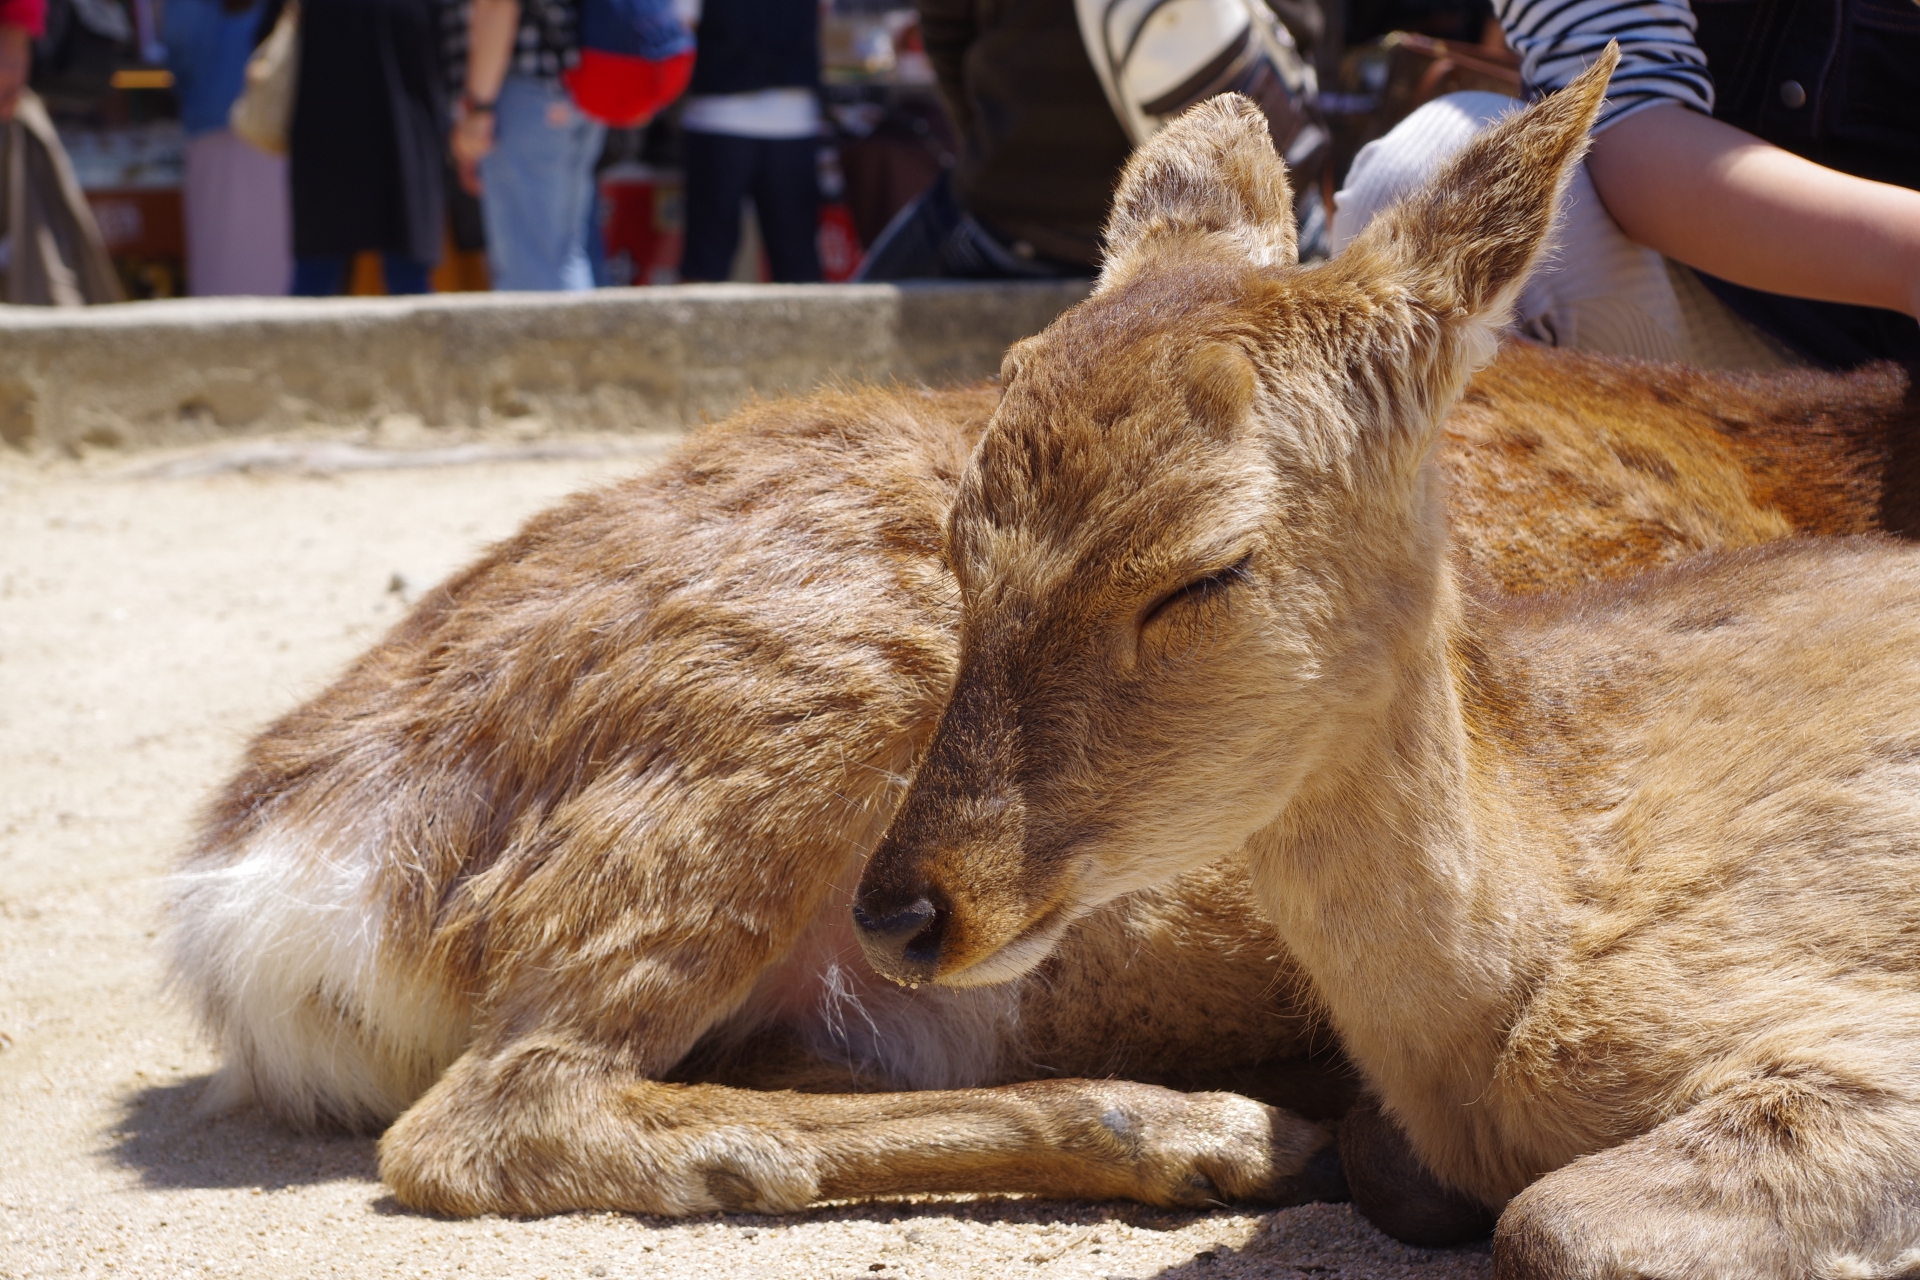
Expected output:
(1212, 173)
(1464, 243)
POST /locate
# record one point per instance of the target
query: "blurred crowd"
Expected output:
(330, 146)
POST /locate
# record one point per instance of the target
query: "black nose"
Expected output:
(902, 943)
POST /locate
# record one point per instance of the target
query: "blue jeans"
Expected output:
(537, 188)
(325, 275)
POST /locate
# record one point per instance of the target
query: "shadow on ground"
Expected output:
(931, 1208)
(161, 1135)
(1329, 1242)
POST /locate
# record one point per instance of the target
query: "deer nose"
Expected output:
(902, 943)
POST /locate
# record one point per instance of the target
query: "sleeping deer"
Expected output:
(1609, 894)
(555, 879)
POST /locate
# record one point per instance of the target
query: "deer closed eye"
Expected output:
(1209, 586)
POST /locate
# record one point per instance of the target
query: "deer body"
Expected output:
(559, 870)
(1607, 893)
(554, 879)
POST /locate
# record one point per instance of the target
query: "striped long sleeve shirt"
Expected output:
(1659, 61)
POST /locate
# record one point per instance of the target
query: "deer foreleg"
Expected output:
(544, 1127)
(1797, 1173)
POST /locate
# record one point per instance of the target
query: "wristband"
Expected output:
(469, 106)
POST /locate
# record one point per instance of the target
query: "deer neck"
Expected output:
(1412, 887)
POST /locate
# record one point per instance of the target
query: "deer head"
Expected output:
(1200, 532)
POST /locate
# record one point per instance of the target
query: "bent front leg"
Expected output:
(543, 1126)
(1803, 1171)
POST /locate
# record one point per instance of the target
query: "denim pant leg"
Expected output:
(405, 275)
(322, 275)
(537, 184)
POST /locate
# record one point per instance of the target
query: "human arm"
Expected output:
(1714, 197)
(490, 37)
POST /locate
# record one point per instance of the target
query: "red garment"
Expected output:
(624, 90)
(31, 14)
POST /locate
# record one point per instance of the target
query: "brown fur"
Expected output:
(1627, 466)
(556, 875)
(1607, 893)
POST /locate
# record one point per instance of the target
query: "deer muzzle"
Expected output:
(903, 939)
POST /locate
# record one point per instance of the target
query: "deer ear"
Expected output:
(1211, 173)
(1465, 242)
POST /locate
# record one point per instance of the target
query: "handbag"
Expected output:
(1156, 58)
(263, 112)
(636, 56)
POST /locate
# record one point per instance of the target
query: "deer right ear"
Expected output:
(1465, 242)
(1012, 362)
(1212, 173)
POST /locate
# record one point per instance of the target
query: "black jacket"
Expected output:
(1838, 82)
(1040, 149)
(368, 134)
(745, 45)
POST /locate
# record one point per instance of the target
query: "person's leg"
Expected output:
(719, 172)
(535, 186)
(202, 181)
(405, 276)
(239, 228)
(596, 235)
(577, 197)
(786, 198)
(908, 247)
(322, 275)
(1595, 289)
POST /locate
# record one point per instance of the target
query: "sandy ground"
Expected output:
(148, 623)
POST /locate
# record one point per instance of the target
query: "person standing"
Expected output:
(523, 146)
(239, 227)
(752, 125)
(365, 145)
(50, 248)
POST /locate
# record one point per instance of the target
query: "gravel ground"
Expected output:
(150, 618)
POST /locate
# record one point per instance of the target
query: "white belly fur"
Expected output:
(282, 947)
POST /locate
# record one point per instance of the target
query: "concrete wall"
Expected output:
(196, 371)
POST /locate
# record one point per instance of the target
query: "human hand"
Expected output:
(16, 50)
(472, 140)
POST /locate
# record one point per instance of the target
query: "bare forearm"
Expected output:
(1709, 195)
(490, 46)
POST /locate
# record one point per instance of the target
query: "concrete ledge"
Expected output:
(200, 371)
